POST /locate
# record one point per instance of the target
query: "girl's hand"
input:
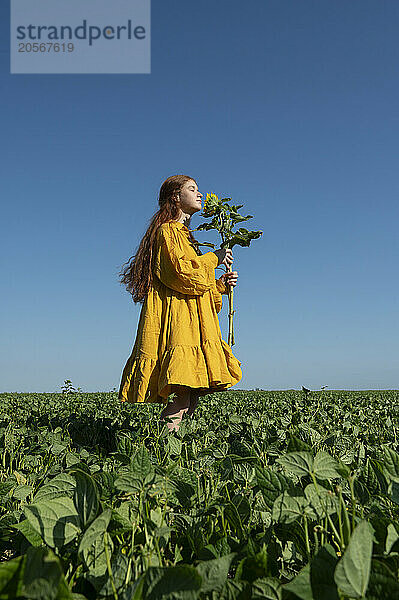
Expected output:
(225, 256)
(229, 278)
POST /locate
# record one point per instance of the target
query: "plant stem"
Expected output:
(231, 314)
(305, 523)
(109, 568)
(224, 225)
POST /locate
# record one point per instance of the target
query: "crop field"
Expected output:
(263, 495)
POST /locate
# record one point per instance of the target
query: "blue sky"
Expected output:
(290, 108)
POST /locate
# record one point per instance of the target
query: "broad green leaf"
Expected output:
(43, 577)
(287, 509)
(95, 557)
(295, 444)
(271, 484)
(56, 520)
(393, 490)
(237, 512)
(11, 577)
(141, 466)
(325, 466)
(353, 570)
(316, 580)
(183, 582)
(241, 237)
(29, 532)
(300, 585)
(322, 501)
(174, 446)
(391, 462)
(392, 538)
(97, 528)
(322, 570)
(61, 485)
(37, 575)
(6, 487)
(266, 588)
(373, 477)
(125, 443)
(300, 463)
(128, 483)
(156, 516)
(86, 497)
(119, 568)
(135, 591)
(21, 492)
(253, 566)
(214, 572)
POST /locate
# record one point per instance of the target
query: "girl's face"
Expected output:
(190, 198)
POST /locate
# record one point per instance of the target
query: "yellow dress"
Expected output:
(178, 340)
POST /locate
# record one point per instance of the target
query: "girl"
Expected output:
(178, 349)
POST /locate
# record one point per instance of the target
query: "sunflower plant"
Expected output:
(224, 217)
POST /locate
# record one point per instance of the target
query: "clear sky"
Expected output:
(292, 109)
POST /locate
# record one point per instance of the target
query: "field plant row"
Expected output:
(261, 495)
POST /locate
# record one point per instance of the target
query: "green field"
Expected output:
(266, 495)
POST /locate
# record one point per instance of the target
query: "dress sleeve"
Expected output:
(221, 287)
(218, 300)
(192, 276)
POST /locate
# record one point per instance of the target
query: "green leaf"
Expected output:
(393, 490)
(61, 485)
(128, 483)
(181, 581)
(141, 466)
(214, 572)
(11, 577)
(21, 492)
(237, 512)
(119, 568)
(37, 575)
(300, 585)
(242, 237)
(322, 501)
(391, 539)
(29, 532)
(383, 584)
(95, 530)
(287, 509)
(135, 591)
(56, 520)
(391, 462)
(325, 466)
(299, 463)
(95, 557)
(204, 227)
(253, 566)
(236, 218)
(174, 446)
(316, 580)
(322, 574)
(266, 588)
(43, 577)
(271, 484)
(86, 497)
(353, 570)
(295, 444)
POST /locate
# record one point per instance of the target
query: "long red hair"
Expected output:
(137, 274)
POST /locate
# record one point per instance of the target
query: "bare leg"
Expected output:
(175, 409)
